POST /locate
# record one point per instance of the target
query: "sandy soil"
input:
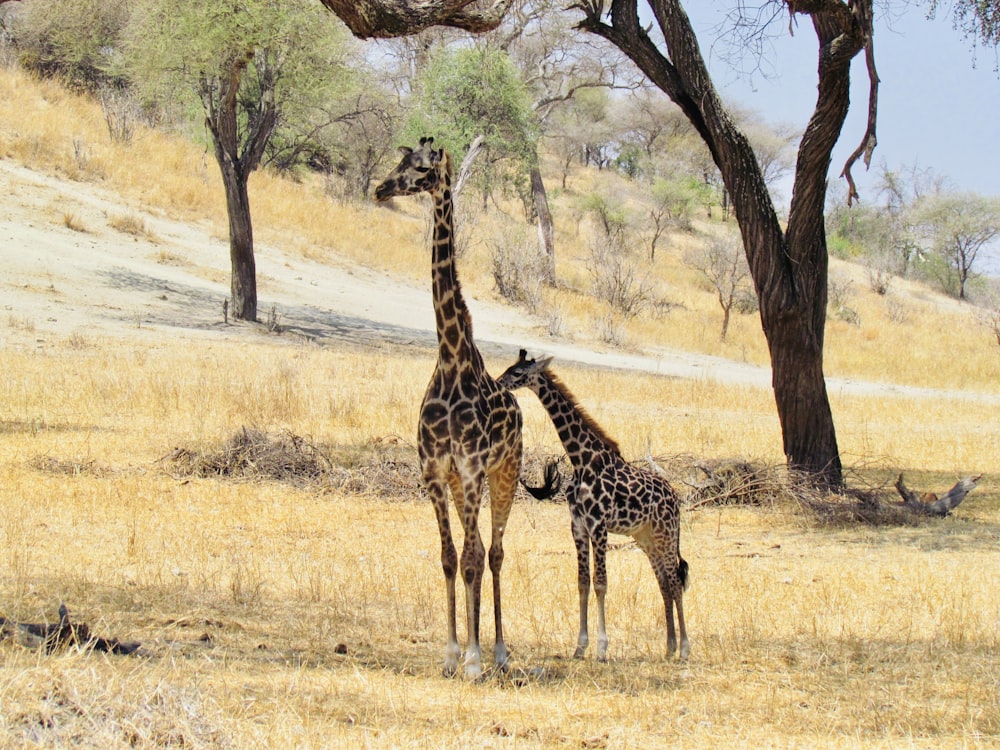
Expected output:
(101, 281)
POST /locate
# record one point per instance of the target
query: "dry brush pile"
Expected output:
(388, 468)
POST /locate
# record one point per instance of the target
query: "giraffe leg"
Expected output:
(659, 547)
(582, 542)
(473, 563)
(679, 603)
(503, 482)
(600, 542)
(449, 563)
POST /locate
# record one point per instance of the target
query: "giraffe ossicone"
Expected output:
(608, 495)
(469, 430)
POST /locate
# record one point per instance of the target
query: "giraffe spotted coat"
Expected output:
(469, 431)
(609, 495)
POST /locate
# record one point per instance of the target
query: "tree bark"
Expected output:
(546, 228)
(383, 19)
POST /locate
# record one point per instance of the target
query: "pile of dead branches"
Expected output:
(385, 467)
(252, 455)
(734, 482)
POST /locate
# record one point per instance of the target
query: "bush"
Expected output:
(616, 277)
(518, 270)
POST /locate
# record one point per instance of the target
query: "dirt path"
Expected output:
(58, 281)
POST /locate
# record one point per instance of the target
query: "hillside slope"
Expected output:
(69, 271)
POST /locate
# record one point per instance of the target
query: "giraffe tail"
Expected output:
(553, 481)
(682, 573)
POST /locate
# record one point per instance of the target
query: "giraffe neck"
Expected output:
(454, 323)
(582, 438)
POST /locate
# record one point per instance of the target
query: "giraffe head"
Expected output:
(525, 373)
(420, 170)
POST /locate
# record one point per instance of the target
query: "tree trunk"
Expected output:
(238, 159)
(243, 284)
(546, 229)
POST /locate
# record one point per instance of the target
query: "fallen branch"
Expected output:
(64, 633)
(929, 503)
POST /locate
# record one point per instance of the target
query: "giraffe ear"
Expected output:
(405, 150)
(543, 363)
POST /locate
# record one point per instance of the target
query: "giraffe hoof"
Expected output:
(501, 658)
(451, 656)
(473, 672)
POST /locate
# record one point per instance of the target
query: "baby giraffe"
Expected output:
(607, 494)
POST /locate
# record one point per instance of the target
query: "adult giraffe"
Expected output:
(469, 430)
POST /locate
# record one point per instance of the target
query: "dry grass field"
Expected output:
(308, 611)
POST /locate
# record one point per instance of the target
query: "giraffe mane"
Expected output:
(585, 417)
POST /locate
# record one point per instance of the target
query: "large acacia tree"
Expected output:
(788, 264)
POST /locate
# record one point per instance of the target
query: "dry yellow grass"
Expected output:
(277, 616)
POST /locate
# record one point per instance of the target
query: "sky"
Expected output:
(939, 106)
(939, 99)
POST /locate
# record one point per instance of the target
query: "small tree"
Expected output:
(956, 227)
(469, 92)
(77, 40)
(617, 277)
(722, 262)
(245, 62)
(673, 207)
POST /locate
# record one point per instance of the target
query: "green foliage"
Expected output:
(840, 247)
(955, 227)
(852, 231)
(679, 198)
(610, 214)
(629, 160)
(464, 93)
(78, 40)
(180, 57)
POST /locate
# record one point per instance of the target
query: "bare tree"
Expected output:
(788, 266)
(722, 262)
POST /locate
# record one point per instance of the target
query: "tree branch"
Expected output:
(466, 169)
(869, 141)
(384, 19)
(932, 505)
